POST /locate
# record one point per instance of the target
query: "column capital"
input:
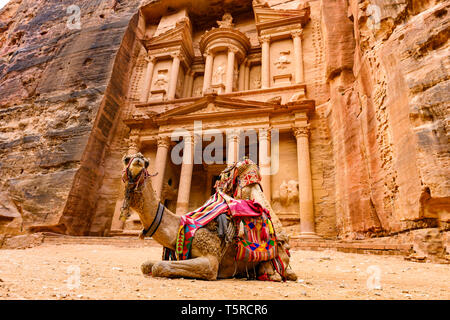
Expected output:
(151, 59)
(233, 135)
(297, 33)
(208, 52)
(264, 39)
(134, 144)
(233, 49)
(190, 139)
(264, 134)
(163, 142)
(301, 132)
(177, 55)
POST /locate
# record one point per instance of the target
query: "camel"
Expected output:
(207, 260)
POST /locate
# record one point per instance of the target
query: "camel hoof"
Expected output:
(146, 267)
(290, 275)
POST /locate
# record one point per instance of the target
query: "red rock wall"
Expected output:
(58, 110)
(390, 96)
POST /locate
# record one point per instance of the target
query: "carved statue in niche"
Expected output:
(235, 79)
(283, 61)
(197, 87)
(161, 78)
(227, 21)
(180, 86)
(257, 83)
(255, 78)
(218, 74)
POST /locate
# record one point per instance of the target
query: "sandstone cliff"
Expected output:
(388, 69)
(55, 89)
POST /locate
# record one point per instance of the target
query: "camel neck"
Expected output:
(146, 205)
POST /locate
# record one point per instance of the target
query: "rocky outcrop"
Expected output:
(58, 107)
(388, 70)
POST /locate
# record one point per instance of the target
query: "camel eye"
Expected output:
(147, 163)
(126, 160)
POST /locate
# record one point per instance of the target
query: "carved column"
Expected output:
(230, 70)
(208, 71)
(265, 63)
(148, 79)
(174, 76)
(298, 52)
(307, 229)
(163, 144)
(232, 146)
(190, 85)
(184, 188)
(187, 79)
(247, 77)
(242, 76)
(265, 163)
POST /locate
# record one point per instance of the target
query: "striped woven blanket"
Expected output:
(257, 241)
(196, 219)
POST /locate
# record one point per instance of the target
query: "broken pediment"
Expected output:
(267, 18)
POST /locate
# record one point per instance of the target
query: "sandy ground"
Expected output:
(108, 272)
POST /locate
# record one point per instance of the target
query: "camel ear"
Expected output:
(126, 160)
(147, 163)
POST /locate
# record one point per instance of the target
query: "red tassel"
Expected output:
(264, 235)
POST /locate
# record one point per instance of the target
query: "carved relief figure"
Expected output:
(161, 78)
(288, 193)
(218, 74)
(283, 61)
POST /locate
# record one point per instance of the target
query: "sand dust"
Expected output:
(107, 272)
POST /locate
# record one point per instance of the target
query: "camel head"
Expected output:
(134, 175)
(134, 166)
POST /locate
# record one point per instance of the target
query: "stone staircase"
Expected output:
(382, 246)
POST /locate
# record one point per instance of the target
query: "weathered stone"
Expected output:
(377, 72)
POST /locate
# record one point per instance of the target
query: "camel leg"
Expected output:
(204, 268)
(147, 266)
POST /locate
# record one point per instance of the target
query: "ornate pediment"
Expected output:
(267, 18)
(212, 108)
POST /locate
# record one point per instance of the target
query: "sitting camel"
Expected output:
(207, 259)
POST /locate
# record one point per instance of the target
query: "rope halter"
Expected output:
(132, 185)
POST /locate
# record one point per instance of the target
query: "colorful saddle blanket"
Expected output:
(257, 241)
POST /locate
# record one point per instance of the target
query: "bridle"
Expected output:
(134, 185)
